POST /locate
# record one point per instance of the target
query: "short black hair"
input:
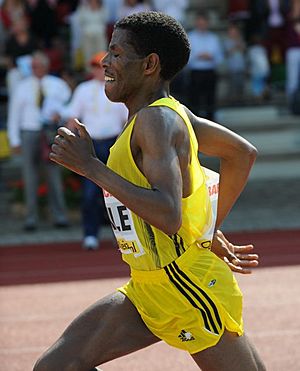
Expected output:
(155, 32)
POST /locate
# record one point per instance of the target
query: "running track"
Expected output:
(67, 262)
(32, 316)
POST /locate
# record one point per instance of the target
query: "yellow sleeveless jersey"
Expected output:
(143, 246)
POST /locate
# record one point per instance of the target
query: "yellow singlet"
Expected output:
(184, 294)
(143, 246)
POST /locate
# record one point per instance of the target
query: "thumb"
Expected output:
(81, 128)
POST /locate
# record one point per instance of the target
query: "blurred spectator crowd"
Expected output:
(252, 45)
(255, 42)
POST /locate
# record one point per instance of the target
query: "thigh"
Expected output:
(109, 329)
(232, 353)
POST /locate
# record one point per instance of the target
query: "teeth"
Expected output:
(107, 78)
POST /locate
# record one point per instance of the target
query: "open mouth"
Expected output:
(109, 79)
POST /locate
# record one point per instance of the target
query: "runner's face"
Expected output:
(123, 68)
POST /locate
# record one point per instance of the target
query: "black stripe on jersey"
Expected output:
(151, 243)
(196, 296)
(182, 243)
(185, 294)
(213, 305)
(176, 244)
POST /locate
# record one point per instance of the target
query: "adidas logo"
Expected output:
(212, 282)
(186, 336)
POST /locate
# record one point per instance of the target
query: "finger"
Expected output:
(56, 157)
(239, 269)
(65, 132)
(55, 153)
(60, 141)
(53, 157)
(243, 248)
(54, 148)
(221, 235)
(242, 263)
(247, 256)
(246, 263)
(81, 128)
(230, 256)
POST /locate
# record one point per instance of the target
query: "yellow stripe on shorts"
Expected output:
(196, 296)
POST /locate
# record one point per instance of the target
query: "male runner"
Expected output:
(160, 211)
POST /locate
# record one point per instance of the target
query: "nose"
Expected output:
(105, 61)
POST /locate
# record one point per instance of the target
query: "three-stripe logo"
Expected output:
(197, 297)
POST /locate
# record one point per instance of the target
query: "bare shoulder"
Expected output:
(160, 124)
(196, 120)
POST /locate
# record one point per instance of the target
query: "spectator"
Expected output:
(75, 40)
(69, 76)
(238, 10)
(256, 23)
(235, 48)
(206, 56)
(56, 55)
(293, 65)
(259, 68)
(11, 11)
(132, 6)
(35, 103)
(276, 16)
(43, 21)
(176, 9)
(63, 10)
(294, 10)
(92, 20)
(18, 49)
(104, 121)
(112, 7)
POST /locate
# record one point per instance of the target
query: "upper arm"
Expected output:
(217, 140)
(154, 142)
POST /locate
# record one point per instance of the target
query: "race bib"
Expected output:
(123, 226)
(212, 183)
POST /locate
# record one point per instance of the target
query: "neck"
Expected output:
(143, 99)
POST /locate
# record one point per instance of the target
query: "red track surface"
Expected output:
(33, 316)
(67, 262)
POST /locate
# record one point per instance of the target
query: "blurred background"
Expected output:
(254, 90)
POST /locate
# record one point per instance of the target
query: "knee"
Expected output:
(260, 365)
(41, 365)
(49, 363)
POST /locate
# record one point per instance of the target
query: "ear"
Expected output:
(152, 64)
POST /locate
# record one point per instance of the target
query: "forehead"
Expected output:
(122, 39)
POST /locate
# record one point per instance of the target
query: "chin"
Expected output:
(111, 96)
(114, 98)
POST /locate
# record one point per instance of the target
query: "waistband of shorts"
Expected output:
(160, 274)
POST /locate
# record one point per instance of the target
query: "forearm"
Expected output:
(234, 173)
(151, 205)
(236, 157)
